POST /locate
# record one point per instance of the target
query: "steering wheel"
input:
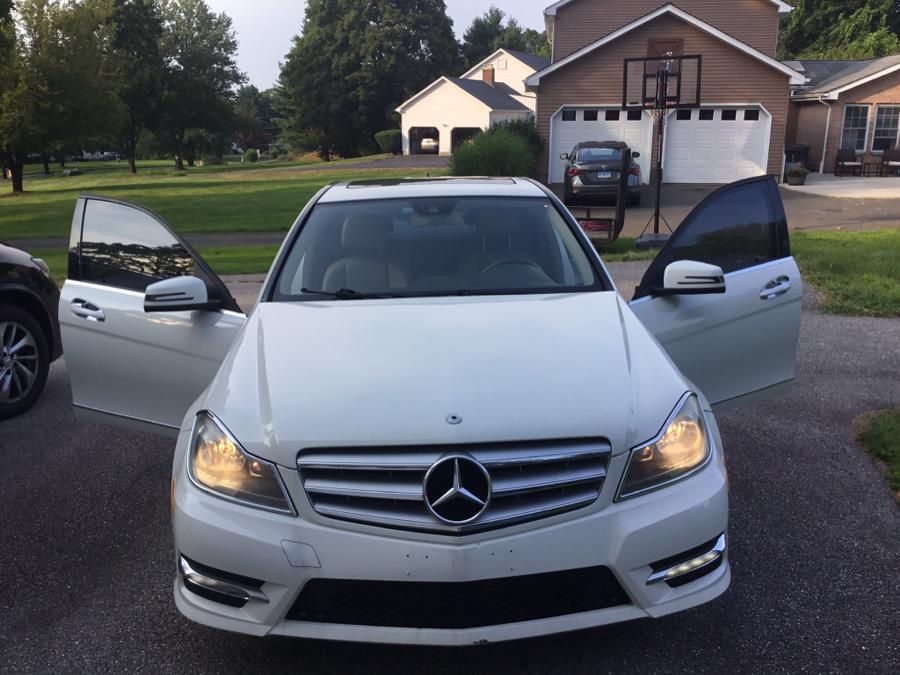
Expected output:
(511, 261)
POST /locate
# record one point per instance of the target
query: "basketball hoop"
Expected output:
(660, 84)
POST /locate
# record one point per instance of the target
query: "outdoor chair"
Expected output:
(891, 162)
(847, 159)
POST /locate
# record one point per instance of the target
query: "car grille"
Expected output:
(384, 485)
(471, 604)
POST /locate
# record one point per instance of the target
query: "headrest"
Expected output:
(366, 232)
(497, 226)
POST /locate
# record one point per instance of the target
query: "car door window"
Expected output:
(124, 246)
(737, 227)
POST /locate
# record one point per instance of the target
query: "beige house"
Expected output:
(737, 132)
(453, 109)
(850, 105)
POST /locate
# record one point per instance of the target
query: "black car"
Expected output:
(29, 330)
(594, 172)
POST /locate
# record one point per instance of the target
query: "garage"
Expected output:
(718, 144)
(573, 125)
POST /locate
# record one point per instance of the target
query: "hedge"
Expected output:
(496, 152)
(390, 141)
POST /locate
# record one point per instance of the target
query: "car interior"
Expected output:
(436, 245)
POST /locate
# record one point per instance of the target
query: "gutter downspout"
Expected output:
(827, 129)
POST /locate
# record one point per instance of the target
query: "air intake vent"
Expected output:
(384, 485)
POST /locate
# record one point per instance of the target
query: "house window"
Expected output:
(590, 115)
(635, 115)
(751, 115)
(612, 115)
(568, 116)
(707, 115)
(856, 128)
(887, 128)
(683, 115)
(729, 115)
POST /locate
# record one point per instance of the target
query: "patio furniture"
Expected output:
(890, 162)
(874, 168)
(847, 159)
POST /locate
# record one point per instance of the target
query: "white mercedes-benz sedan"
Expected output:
(441, 423)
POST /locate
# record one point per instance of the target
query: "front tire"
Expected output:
(24, 361)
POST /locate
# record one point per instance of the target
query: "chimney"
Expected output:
(488, 75)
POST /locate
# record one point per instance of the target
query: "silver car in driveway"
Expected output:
(441, 424)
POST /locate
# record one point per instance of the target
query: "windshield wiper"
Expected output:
(345, 294)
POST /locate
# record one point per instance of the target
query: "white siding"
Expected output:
(445, 107)
(512, 72)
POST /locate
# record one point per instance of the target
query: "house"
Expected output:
(847, 105)
(453, 109)
(739, 129)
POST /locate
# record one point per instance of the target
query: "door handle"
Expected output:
(775, 288)
(87, 310)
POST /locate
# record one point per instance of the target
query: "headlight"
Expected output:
(682, 447)
(219, 464)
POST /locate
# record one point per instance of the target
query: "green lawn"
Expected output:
(857, 273)
(879, 433)
(261, 198)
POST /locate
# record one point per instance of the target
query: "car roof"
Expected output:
(408, 188)
(603, 144)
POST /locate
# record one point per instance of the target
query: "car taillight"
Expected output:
(573, 172)
(635, 171)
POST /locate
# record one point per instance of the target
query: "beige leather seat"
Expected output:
(366, 266)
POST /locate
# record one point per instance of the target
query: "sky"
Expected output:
(265, 28)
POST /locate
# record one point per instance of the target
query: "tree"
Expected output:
(200, 50)
(488, 33)
(253, 118)
(354, 63)
(841, 29)
(136, 72)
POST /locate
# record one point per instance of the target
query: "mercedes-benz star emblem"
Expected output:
(457, 489)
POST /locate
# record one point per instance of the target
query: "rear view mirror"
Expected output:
(636, 154)
(564, 155)
(180, 294)
(688, 277)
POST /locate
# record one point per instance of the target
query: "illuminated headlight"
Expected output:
(219, 464)
(682, 447)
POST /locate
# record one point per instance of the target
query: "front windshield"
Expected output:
(434, 246)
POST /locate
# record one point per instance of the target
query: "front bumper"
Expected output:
(286, 552)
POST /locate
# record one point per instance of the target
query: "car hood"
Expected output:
(390, 372)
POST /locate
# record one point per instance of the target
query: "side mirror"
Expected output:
(180, 294)
(636, 154)
(564, 155)
(688, 277)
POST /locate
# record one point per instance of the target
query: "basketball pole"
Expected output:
(657, 239)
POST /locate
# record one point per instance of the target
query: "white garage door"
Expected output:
(716, 145)
(573, 125)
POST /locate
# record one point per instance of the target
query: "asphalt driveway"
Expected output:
(86, 564)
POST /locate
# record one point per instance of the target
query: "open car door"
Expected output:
(126, 365)
(739, 344)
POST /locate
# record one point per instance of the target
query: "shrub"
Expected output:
(274, 152)
(798, 171)
(527, 130)
(390, 141)
(251, 155)
(497, 152)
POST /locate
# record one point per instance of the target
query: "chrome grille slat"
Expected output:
(383, 485)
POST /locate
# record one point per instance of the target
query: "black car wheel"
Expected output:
(24, 361)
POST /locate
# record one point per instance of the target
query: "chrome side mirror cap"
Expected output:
(180, 294)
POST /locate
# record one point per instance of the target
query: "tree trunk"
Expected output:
(45, 161)
(179, 151)
(132, 164)
(62, 160)
(17, 170)
(3, 175)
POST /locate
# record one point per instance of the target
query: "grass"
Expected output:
(879, 433)
(261, 198)
(623, 250)
(857, 273)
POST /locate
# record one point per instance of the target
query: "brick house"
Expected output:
(739, 129)
(852, 105)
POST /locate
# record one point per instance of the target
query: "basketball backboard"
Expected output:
(662, 82)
